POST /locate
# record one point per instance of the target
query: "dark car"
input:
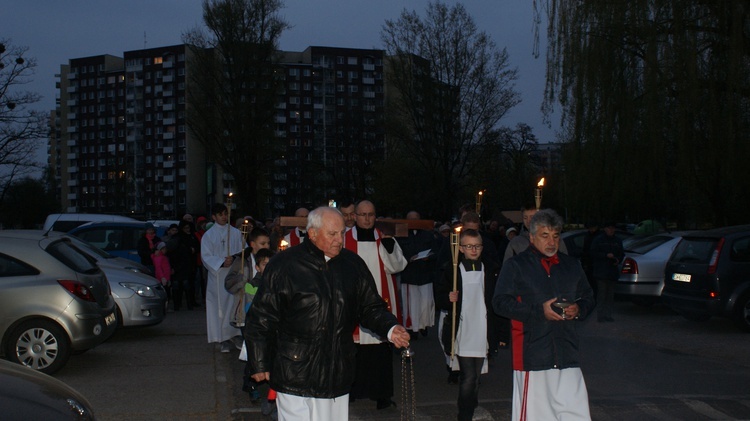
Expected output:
(574, 240)
(26, 394)
(709, 275)
(116, 238)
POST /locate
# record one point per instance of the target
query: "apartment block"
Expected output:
(122, 143)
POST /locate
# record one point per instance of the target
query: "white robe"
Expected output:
(392, 263)
(218, 300)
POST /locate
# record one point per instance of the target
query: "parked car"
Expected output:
(642, 269)
(65, 222)
(27, 394)
(574, 240)
(117, 238)
(141, 300)
(709, 275)
(54, 300)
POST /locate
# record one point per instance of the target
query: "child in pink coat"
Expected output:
(162, 269)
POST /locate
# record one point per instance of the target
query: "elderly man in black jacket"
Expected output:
(299, 328)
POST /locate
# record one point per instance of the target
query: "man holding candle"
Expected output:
(218, 245)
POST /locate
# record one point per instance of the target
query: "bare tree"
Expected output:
(22, 130)
(233, 89)
(452, 87)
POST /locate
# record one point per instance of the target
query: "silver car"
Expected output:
(141, 300)
(642, 269)
(53, 300)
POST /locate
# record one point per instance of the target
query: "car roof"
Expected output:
(721, 232)
(24, 234)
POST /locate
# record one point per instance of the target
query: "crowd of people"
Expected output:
(316, 308)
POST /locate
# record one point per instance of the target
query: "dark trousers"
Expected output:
(182, 285)
(468, 386)
(374, 376)
(605, 298)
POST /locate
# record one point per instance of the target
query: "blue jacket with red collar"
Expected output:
(522, 287)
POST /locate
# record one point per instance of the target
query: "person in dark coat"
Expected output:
(183, 247)
(299, 328)
(606, 254)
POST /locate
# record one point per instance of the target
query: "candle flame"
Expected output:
(230, 194)
(458, 230)
(540, 184)
(284, 243)
(481, 192)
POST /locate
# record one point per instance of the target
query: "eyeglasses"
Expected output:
(472, 246)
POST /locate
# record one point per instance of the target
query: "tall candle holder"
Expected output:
(229, 221)
(455, 240)
(538, 194)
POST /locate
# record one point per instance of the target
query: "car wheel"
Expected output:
(742, 313)
(39, 344)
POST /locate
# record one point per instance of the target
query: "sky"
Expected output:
(55, 31)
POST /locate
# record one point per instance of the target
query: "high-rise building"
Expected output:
(122, 142)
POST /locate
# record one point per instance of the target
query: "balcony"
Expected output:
(72, 116)
(279, 119)
(168, 179)
(71, 155)
(168, 121)
(168, 93)
(72, 89)
(166, 79)
(168, 149)
(368, 67)
(368, 81)
(167, 64)
(72, 170)
(72, 76)
(138, 82)
(168, 193)
(72, 183)
(72, 129)
(72, 196)
(71, 142)
(167, 136)
(168, 164)
(134, 68)
(72, 102)
(368, 94)
(168, 107)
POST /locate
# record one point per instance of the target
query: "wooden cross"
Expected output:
(392, 227)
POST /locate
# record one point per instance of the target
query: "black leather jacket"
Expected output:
(300, 325)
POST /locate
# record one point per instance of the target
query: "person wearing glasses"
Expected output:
(474, 276)
(384, 258)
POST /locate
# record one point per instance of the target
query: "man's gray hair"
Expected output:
(546, 218)
(315, 217)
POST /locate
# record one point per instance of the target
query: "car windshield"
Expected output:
(645, 245)
(694, 250)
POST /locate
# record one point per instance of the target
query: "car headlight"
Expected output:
(140, 289)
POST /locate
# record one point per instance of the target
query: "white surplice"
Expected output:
(218, 300)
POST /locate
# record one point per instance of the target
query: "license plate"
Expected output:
(110, 319)
(681, 277)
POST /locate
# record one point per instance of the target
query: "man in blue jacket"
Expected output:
(545, 294)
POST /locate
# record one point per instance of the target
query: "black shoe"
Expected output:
(385, 403)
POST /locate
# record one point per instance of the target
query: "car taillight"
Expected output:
(715, 257)
(629, 267)
(78, 289)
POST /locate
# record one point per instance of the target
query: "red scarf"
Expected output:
(547, 262)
